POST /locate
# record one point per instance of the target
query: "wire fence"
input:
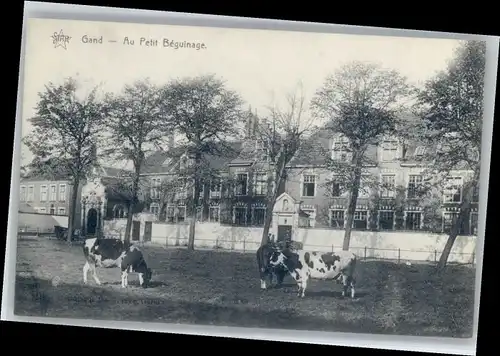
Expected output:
(398, 255)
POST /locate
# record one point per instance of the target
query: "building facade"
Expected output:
(53, 197)
(240, 184)
(46, 196)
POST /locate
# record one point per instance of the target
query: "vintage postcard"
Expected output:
(251, 178)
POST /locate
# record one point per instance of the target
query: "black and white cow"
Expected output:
(109, 253)
(266, 270)
(303, 265)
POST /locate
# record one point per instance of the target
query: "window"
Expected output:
(176, 214)
(154, 208)
(181, 213)
(61, 211)
(420, 151)
(475, 194)
(201, 193)
(213, 214)
(364, 189)
(388, 186)
(389, 150)
(340, 149)
(386, 220)
(262, 150)
(22, 195)
(259, 216)
(181, 189)
(215, 188)
(240, 215)
(118, 211)
(414, 186)
(260, 184)
(241, 184)
(309, 186)
(199, 213)
(312, 216)
(360, 219)
(52, 210)
(413, 220)
(335, 188)
(448, 221)
(155, 188)
(43, 192)
(42, 210)
(170, 214)
(453, 190)
(53, 192)
(337, 218)
(62, 192)
(31, 193)
(473, 223)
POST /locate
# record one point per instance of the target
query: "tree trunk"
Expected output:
(457, 224)
(128, 226)
(194, 204)
(270, 206)
(133, 200)
(353, 199)
(72, 210)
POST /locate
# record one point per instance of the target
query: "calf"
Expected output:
(266, 270)
(109, 253)
(303, 265)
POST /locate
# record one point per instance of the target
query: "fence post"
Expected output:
(332, 248)
(399, 256)
(435, 256)
(244, 244)
(365, 252)
(473, 256)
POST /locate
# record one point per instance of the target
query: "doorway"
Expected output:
(136, 227)
(91, 221)
(284, 233)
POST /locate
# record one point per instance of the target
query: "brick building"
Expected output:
(237, 192)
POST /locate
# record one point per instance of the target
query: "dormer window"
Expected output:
(420, 151)
(261, 147)
(389, 149)
(340, 149)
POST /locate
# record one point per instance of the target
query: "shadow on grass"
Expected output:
(38, 297)
(151, 284)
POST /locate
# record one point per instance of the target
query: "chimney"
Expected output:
(249, 124)
(170, 142)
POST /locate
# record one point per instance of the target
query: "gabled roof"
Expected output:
(314, 150)
(106, 171)
(164, 162)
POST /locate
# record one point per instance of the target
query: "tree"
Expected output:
(205, 114)
(360, 104)
(281, 135)
(451, 105)
(66, 128)
(136, 126)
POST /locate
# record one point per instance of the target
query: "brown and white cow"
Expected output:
(110, 253)
(303, 265)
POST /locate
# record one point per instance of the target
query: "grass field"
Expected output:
(222, 288)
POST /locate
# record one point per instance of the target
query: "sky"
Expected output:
(261, 65)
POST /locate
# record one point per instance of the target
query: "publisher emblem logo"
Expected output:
(59, 39)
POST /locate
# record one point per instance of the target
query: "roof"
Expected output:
(163, 162)
(44, 179)
(107, 171)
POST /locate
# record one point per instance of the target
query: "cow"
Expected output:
(264, 253)
(303, 265)
(109, 253)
